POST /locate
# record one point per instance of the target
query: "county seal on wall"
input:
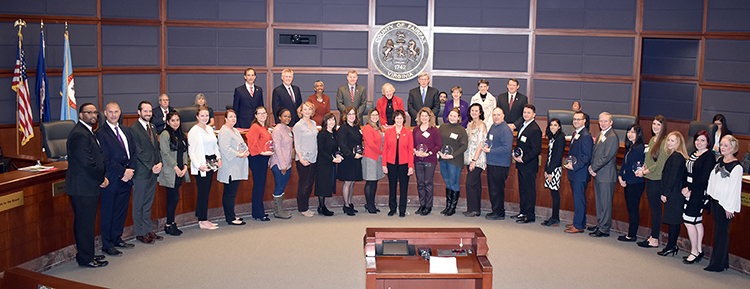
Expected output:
(400, 50)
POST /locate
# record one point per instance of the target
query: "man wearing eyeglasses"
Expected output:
(581, 145)
(84, 180)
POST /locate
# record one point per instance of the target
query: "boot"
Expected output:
(448, 195)
(278, 210)
(453, 203)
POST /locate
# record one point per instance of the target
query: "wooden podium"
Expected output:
(392, 272)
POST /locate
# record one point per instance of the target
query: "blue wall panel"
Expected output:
(215, 47)
(670, 57)
(481, 52)
(130, 45)
(482, 13)
(218, 88)
(130, 89)
(409, 10)
(217, 10)
(321, 11)
(142, 9)
(673, 15)
(672, 100)
(586, 14)
(728, 16)
(50, 7)
(584, 55)
(333, 49)
(732, 104)
(594, 97)
(727, 61)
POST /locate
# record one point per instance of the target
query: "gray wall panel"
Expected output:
(345, 58)
(130, 45)
(585, 55)
(673, 15)
(333, 49)
(297, 56)
(409, 10)
(594, 97)
(672, 100)
(732, 104)
(50, 7)
(217, 10)
(477, 51)
(727, 61)
(83, 45)
(141, 9)
(482, 13)
(130, 89)
(728, 15)
(670, 57)
(586, 14)
(215, 47)
(321, 11)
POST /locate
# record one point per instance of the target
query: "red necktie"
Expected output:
(291, 94)
(252, 90)
(352, 94)
(510, 103)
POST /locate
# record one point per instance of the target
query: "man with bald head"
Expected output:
(603, 169)
(120, 155)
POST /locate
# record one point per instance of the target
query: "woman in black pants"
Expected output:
(399, 159)
(205, 159)
(634, 186)
(672, 179)
(553, 168)
(653, 165)
(173, 147)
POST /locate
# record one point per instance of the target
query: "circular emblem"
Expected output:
(400, 50)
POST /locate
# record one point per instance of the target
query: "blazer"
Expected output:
(157, 117)
(169, 161)
(244, 104)
(147, 148)
(464, 108)
(373, 142)
(115, 158)
(281, 98)
(513, 114)
(431, 100)
(86, 169)
(530, 141)
(604, 157)
(405, 147)
(557, 150)
(581, 146)
(231, 165)
(398, 103)
(344, 98)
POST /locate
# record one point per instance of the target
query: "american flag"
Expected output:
(21, 86)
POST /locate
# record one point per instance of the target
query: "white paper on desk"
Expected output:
(443, 265)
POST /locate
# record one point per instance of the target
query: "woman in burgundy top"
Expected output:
(321, 102)
(427, 142)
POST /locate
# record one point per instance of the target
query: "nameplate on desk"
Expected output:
(11, 201)
(745, 199)
(58, 188)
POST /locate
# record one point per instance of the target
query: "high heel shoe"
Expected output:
(695, 260)
(262, 219)
(668, 251)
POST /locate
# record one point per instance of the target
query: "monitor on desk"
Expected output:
(394, 248)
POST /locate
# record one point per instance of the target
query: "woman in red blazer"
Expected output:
(398, 149)
(387, 105)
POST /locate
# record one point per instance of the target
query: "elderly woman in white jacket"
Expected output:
(205, 158)
(234, 149)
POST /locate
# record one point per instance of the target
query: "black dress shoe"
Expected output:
(426, 211)
(625, 238)
(591, 228)
(646, 244)
(241, 219)
(494, 216)
(99, 257)
(262, 219)
(472, 213)
(172, 230)
(402, 214)
(124, 245)
(391, 213)
(94, 264)
(419, 211)
(551, 223)
(236, 223)
(324, 211)
(525, 220)
(518, 217)
(372, 209)
(598, 234)
(113, 252)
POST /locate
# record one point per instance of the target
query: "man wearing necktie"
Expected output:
(247, 97)
(529, 141)
(286, 95)
(513, 102)
(581, 146)
(120, 154)
(351, 94)
(603, 169)
(423, 96)
(160, 113)
(148, 167)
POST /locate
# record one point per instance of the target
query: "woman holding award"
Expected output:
(553, 168)
(327, 157)
(205, 159)
(260, 145)
(474, 158)
(426, 145)
(234, 150)
(372, 163)
(454, 140)
(349, 138)
(281, 161)
(306, 145)
(399, 162)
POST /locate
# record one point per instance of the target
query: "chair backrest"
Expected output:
(187, 117)
(439, 117)
(696, 126)
(365, 117)
(55, 137)
(566, 119)
(230, 106)
(620, 124)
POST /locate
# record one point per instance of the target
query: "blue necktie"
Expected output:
(423, 93)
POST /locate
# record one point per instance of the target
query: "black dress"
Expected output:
(672, 179)
(350, 169)
(698, 170)
(325, 185)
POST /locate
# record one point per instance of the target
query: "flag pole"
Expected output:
(20, 24)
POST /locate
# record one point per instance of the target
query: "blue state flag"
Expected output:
(42, 93)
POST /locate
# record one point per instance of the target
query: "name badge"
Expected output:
(454, 136)
(690, 179)
(577, 136)
(426, 134)
(523, 138)
(290, 135)
(603, 139)
(491, 137)
(645, 150)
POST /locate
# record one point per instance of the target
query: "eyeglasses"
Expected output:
(89, 112)
(579, 119)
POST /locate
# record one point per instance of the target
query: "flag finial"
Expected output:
(41, 21)
(20, 23)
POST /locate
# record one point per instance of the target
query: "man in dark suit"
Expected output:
(286, 95)
(83, 182)
(352, 94)
(604, 170)
(423, 96)
(527, 164)
(119, 153)
(513, 102)
(159, 118)
(581, 145)
(147, 168)
(247, 97)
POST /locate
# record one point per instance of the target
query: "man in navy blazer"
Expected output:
(581, 146)
(120, 155)
(160, 113)
(83, 182)
(286, 95)
(247, 98)
(530, 143)
(514, 117)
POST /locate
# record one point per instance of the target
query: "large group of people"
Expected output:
(478, 136)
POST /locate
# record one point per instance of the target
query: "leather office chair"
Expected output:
(439, 117)
(55, 138)
(365, 117)
(187, 117)
(230, 106)
(566, 119)
(696, 126)
(620, 124)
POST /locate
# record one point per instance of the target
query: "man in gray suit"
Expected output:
(352, 94)
(147, 168)
(603, 169)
